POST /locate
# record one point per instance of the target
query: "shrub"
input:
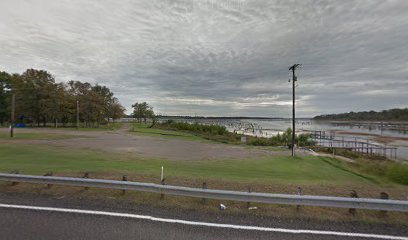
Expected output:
(220, 134)
(195, 127)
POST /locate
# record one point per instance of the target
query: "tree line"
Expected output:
(39, 100)
(395, 114)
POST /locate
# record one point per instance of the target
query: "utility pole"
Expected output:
(13, 108)
(294, 79)
(77, 116)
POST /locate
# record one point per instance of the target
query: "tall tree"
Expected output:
(5, 85)
(115, 110)
(34, 100)
(142, 111)
(39, 99)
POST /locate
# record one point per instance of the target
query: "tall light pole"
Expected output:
(294, 79)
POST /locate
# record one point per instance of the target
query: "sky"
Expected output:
(218, 58)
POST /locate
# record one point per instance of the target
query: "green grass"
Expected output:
(143, 129)
(393, 171)
(398, 173)
(375, 165)
(275, 169)
(34, 136)
(104, 127)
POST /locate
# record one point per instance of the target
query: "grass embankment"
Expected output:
(375, 165)
(393, 171)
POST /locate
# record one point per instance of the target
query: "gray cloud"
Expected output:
(216, 58)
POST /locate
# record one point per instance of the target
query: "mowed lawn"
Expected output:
(38, 159)
(143, 129)
(5, 134)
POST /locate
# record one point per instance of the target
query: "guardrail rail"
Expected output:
(306, 200)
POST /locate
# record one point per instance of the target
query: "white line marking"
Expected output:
(204, 224)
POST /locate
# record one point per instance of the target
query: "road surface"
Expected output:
(27, 216)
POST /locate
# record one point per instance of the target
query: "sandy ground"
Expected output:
(122, 141)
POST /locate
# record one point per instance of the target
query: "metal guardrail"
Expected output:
(307, 200)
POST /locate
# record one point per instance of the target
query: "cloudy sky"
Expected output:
(218, 58)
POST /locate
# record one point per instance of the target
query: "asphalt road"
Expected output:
(17, 223)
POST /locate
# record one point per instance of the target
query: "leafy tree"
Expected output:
(143, 111)
(115, 110)
(5, 80)
(39, 99)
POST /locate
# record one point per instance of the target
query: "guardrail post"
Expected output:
(124, 178)
(249, 203)
(162, 183)
(14, 172)
(203, 200)
(352, 203)
(383, 195)
(48, 174)
(299, 192)
(353, 194)
(86, 175)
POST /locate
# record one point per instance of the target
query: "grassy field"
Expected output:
(102, 127)
(143, 129)
(34, 136)
(276, 169)
(380, 167)
(278, 174)
(38, 159)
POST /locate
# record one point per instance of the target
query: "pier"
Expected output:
(354, 144)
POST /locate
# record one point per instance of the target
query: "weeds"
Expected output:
(221, 134)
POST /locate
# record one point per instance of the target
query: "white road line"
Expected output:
(204, 224)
